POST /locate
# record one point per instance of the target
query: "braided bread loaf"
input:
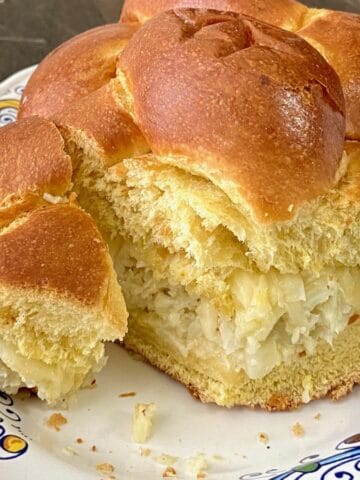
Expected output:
(215, 165)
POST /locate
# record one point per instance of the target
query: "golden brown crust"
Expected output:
(33, 161)
(337, 36)
(56, 249)
(100, 117)
(205, 389)
(282, 13)
(76, 68)
(263, 110)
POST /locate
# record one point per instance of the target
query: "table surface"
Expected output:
(29, 29)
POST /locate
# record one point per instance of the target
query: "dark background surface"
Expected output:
(29, 29)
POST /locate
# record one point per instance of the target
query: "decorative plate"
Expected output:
(238, 444)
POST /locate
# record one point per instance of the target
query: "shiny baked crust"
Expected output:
(336, 35)
(76, 68)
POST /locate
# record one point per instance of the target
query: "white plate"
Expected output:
(183, 427)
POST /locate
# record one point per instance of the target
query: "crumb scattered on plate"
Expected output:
(218, 457)
(197, 465)
(165, 459)
(298, 430)
(145, 452)
(317, 416)
(93, 448)
(105, 468)
(142, 421)
(70, 451)
(263, 437)
(200, 476)
(79, 440)
(127, 394)
(169, 472)
(55, 421)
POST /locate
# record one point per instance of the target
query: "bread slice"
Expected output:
(59, 296)
(239, 260)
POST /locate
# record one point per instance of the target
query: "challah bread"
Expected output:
(336, 35)
(237, 248)
(59, 296)
(93, 61)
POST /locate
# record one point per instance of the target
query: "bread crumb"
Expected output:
(79, 440)
(93, 448)
(145, 452)
(55, 421)
(263, 438)
(105, 468)
(197, 465)
(298, 430)
(169, 472)
(200, 476)
(317, 416)
(70, 451)
(165, 459)
(218, 457)
(142, 421)
(127, 394)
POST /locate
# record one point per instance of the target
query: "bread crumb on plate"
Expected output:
(169, 472)
(298, 430)
(197, 465)
(145, 452)
(317, 416)
(143, 418)
(263, 437)
(165, 459)
(218, 457)
(105, 468)
(70, 451)
(55, 421)
(127, 394)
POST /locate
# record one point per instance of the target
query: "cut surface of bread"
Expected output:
(59, 296)
(195, 298)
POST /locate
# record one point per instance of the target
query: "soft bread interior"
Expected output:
(52, 344)
(202, 282)
(51, 333)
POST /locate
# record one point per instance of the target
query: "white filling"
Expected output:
(9, 381)
(277, 317)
